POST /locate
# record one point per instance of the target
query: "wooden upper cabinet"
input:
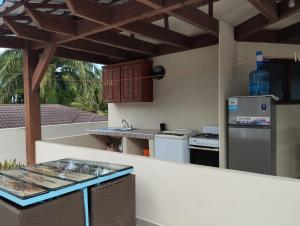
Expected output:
(111, 85)
(135, 83)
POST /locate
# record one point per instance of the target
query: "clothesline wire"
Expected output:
(249, 62)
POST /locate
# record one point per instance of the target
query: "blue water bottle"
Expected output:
(259, 80)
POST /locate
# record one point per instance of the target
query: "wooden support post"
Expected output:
(42, 66)
(166, 21)
(211, 8)
(31, 104)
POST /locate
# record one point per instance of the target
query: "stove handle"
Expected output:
(204, 148)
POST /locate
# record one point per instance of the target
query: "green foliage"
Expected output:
(10, 164)
(66, 82)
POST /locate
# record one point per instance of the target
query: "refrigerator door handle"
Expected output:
(249, 126)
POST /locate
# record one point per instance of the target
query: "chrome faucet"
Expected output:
(125, 124)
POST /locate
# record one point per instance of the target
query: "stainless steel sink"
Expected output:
(117, 129)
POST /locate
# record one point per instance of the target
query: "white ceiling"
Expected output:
(180, 26)
(232, 12)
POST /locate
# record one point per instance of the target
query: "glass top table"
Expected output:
(35, 183)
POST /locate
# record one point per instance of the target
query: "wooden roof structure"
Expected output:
(95, 30)
(113, 31)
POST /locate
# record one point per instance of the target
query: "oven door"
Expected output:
(206, 156)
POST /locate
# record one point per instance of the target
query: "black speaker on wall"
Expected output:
(158, 72)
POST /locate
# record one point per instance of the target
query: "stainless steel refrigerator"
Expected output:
(251, 134)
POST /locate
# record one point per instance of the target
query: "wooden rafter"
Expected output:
(189, 14)
(96, 48)
(28, 32)
(290, 34)
(91, 10)
(42, 65)
(37, 35)
(66, 26)
(142, 28)
(118, 16)
(44, 5)
(94, 34)
(19, 43)
(158, 33)
(82, 56)
(52, 23)
(198, 19)
(259, 22)
(124, 42)
(268, 8)
(12, 42)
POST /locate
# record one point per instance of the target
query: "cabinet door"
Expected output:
(127, 83)
(131, 82)
(116, 85)
(106, 87)
(137, 82)
(111, 85)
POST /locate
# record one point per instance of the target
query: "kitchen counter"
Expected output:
(146, 134)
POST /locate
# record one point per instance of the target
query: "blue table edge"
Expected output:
(63, 191)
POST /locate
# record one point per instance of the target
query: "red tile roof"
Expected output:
(12, 115)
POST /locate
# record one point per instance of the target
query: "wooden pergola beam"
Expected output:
(124, 42)
(156, 32)
(105, 18)
(82, 56)
(31, 33)
(188, 14)
(290, 34)
(96, 48)
(91, 10)
(268, 8)
(28, 32)
(260, 22)
(287, 35)
(67, 26)
(154, 4)
(200, 41)
(12, 42)
(52, 23)
(43, 5)
(42, 65)
(197, 18)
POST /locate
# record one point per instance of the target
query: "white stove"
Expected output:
(208, 138)
(205, 140)
(204, 147)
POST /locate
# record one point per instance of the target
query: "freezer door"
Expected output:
(250, 150)
(249, 108)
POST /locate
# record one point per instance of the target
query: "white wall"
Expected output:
(173, 194)
(288, 140)
(186, 98)
(12, 141)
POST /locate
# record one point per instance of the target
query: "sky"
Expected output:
(2, 50)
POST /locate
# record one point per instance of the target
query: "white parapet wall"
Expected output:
(173, 194)
(12, 141)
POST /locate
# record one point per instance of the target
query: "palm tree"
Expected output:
(11, 79)
(67, 82)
